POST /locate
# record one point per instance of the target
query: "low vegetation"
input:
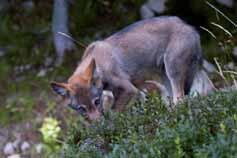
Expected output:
(197, 127)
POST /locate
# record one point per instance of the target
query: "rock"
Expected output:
(157, 6)
(234, 52)
(25, 146)
(227, 3)
(3, 135)
(20, 78)
(146, 12)
(9, 148)
(14, 156)
(229, 66)
(16, 143)
(39, 148)
(208, 67)
(151, 7)
(28, 5)
(42, 73)
(4, 5)
(48, 61)
(27, 67)
(2, 52)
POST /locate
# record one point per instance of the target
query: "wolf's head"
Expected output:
(83, 92)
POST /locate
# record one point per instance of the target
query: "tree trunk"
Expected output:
(60, 24)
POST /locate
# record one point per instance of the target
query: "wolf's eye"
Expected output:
(96, 101)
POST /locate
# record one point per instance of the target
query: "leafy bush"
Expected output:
(50, 131)
(197, 127)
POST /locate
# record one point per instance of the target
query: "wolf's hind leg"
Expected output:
(176, 70)
(178, 90)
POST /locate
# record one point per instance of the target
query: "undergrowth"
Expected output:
(197, 127)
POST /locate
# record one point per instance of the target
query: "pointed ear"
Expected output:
(90, 70)
(60, 88)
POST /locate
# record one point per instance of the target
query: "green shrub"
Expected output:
(197, 127)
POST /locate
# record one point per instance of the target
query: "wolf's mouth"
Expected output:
(78, 108)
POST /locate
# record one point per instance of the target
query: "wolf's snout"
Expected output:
(94, 115)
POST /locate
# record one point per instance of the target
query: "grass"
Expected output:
(197, 127)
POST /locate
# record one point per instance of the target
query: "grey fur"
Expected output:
(164, 49)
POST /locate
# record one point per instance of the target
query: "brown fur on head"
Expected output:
(83, 91)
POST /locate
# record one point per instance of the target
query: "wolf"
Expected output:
(164, 49)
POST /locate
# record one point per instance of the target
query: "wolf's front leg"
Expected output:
(126, 93)
(122, 100)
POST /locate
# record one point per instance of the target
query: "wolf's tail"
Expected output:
(202, 84)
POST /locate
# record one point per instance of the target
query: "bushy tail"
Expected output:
(202, 84)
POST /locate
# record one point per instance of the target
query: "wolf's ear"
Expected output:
(90, 70)
(60, 88)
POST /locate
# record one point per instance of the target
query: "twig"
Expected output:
(217, 16)
(231, 72)
(205, 29)
(217, 10)
(77, 42)
(220, 72)
(222, 28)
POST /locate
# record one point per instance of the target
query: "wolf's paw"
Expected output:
(107, 100)
(142, 97)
